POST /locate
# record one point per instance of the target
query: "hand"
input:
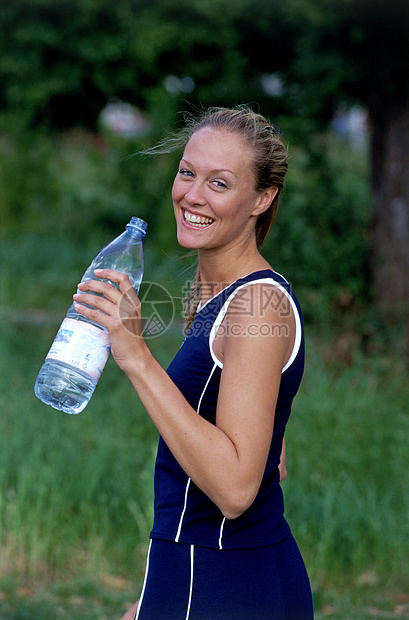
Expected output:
(118, 311)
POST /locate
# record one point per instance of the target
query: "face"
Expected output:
(214, 197)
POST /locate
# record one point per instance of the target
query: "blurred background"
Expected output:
(85, 86)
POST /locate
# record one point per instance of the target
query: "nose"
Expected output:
(196, 194)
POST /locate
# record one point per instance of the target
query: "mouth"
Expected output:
(197, 221)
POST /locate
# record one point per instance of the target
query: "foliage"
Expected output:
(50, 54)
(75, 193)
(61, 62)
(320, 236)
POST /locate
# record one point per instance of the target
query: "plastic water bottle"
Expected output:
(81, 347)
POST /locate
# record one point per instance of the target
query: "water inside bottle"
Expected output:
(63, 387)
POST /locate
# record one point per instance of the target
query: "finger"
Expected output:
(106, 314)
(125, 299)
(93, 314)
(121, 280)
(112, 275)
(97, 302)
(100, 288)
(128, 292)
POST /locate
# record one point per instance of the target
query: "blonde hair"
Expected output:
(269, 166)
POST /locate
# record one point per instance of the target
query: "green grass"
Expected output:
(108, 598)
(104, 599)
(70, 484)
(76, 491)
(352, 422)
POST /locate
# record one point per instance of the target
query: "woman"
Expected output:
(220, 547)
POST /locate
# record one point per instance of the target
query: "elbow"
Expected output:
(237, 503)
(231, 512)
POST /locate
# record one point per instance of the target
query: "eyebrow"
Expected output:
(214, 171)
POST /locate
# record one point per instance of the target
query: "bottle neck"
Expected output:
(137, 226)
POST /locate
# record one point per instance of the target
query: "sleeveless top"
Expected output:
(182, 512)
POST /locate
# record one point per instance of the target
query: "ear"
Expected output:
(264, 200)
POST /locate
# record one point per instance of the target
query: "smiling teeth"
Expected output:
(197, 220)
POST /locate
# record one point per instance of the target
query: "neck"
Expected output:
(219, 269)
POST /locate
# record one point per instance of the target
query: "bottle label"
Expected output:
(81, 345)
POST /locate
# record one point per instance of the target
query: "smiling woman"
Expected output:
(267, 160)
(215, 191)
(220, 545)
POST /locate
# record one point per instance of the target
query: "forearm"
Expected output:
(226, 459)
(204, 451)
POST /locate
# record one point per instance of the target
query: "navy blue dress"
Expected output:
(201, 565)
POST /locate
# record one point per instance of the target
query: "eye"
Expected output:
(185, 172)
(219, 184)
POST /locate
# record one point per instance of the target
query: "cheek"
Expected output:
(177, 192)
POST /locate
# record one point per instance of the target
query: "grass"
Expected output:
(104, 599)
(76, 492)
(70, 482)
(108, 597)
(355, 492)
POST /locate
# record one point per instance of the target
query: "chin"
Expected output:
(184, 241)
(188, 240)
(188, 244)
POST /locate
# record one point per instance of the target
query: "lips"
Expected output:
(198, 221)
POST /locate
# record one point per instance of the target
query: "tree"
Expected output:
(378, 57)
(356, 51)
(383, 48)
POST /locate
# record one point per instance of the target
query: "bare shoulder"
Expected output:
(258, 301)
(259, 316)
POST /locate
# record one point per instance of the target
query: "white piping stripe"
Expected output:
(192, 549)
(189, 480)
(205, 387)
(221, 533)
(223, 311)
(298, 333)
(183, 511)
(144, 582)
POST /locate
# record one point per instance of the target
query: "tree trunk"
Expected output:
(390, 187)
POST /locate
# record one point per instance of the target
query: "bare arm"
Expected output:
(226, 460)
